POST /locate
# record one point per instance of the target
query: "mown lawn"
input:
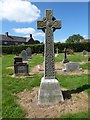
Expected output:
(10, 108)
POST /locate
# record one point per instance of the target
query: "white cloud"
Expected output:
(60, 40)
(24, 30)
(39, 34)
(85, 37)
(18, 10)
(28, 31)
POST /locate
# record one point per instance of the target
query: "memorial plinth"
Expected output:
(49, 92)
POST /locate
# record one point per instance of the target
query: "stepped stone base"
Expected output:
(65, 60)
(49, 92)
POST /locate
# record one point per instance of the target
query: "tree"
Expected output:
(74, 38)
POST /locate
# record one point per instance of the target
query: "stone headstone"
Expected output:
(84, 52)
(24, 55)
(49, 91)
(21, 69)
(17, 59)
(65, 56)
(71, 66)
(29, 53)
(56, 55)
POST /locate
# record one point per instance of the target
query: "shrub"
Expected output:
(70, 51)
(39, 48)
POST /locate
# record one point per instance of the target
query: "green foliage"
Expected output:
(77, 57)
(36, 48)
(74, 38)
(81, 115)
(70, 51)
(10, 107)
(76, 47)
(39, 48)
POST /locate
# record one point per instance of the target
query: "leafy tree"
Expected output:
(74, 38)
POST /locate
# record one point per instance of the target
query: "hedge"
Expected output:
(39, 48)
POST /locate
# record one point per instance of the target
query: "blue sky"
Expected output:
(21, 20)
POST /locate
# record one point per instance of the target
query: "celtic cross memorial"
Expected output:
(49, 25)
(49, 91)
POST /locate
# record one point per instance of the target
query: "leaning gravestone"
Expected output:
(21, 69)
(29, 53)
(49, 91)
(24, 56)
(84, 52)
(71, 66)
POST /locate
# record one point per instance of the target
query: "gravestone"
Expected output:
(21, 69)
(71, 66)
(24, 56)
(56, 52)
(65, 56)
(17, 59)
(84, 52)
(29, 53)
(49, 91)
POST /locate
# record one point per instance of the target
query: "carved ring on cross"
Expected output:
(45, 20)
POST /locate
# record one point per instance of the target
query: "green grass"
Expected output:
(76, 115)
(36, 59)
(85, 66)
(10, 107)
(74, 82)
(14, 85)
(77, 57)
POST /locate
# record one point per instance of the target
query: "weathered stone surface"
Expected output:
(71, 66)
(21, 69)
(24, 55)
(85, 52)
(49, 92)
(48, 24)
(29, 53)
(17, 59)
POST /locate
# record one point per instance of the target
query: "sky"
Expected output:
(19, 18)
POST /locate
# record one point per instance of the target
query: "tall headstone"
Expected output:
(65, 56)
(29, 53)
(24, 55)
(49, 91)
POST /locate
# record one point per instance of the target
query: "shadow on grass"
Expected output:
(67, 94)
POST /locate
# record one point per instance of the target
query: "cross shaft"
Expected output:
(48, 25)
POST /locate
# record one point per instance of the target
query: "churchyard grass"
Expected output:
(76, 57)
(36, 59)
(73, 82)
(77, 115)
(11, 86)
